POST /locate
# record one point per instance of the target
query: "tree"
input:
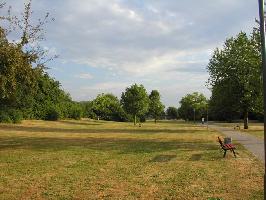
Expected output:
(135, 101)
(236, 75)
(29, 34)
(17, 77)
(107, 107)
(21, 60)
(156, 107)
(50, 98)
(172, 113)
(192, 104)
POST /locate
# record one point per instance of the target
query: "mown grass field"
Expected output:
(105, 160)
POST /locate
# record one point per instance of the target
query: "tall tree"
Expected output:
(17, 74)
(172, 113)
(192, 104)
(135, 101)
(17, 77)
(107, 107)
(236, 75)
(156, 107)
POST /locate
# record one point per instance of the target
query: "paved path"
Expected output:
(251, 143)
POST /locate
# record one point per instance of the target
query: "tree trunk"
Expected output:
(135, 120)
(155, 120)
(246, 120)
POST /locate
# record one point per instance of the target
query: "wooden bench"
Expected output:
(226, 147)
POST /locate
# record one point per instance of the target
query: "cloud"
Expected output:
(84, 76)
(106, 86)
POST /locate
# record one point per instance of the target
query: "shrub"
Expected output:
(11, 116)
(16, 116)
(53, 114)
(4, 117)
(75, 112)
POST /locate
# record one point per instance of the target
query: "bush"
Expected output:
(11, 116)
(16, 116)
(53, 114)
(75, 112)
(142, 119)
(4, 117)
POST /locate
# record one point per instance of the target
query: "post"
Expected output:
(263, 54)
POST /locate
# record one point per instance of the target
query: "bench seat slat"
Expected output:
(229, 146)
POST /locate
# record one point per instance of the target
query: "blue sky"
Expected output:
(107, 45)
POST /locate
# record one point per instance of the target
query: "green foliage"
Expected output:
(107, 107)
(53, 114)
(17, 77)
(172, 113)
(87, 111)
(195, 101)
(10, 116)
(75, 111)
(15, 115)
(156, 108)
(50, 95)
(135, 101)
(236, 77)
(4, 117)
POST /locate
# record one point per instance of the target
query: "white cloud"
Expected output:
(106, 86)
(84, 76)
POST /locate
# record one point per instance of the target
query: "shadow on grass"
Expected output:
(122, 146)
(92, 130)
(195, 157)
(89, 123)
(163, 158)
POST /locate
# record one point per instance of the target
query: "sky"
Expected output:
(105, 46)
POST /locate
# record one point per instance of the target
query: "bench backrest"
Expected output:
(220, 141)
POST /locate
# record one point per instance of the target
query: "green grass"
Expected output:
(106, 160)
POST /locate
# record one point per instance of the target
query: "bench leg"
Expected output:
(225, 152)
(234, 152)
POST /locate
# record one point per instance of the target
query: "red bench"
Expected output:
(226, 147)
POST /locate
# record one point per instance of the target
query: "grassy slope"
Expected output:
(105, 160)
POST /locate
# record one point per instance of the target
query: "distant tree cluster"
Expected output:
(135, 105)
(193, 105)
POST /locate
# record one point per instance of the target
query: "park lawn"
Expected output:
(107, 160)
